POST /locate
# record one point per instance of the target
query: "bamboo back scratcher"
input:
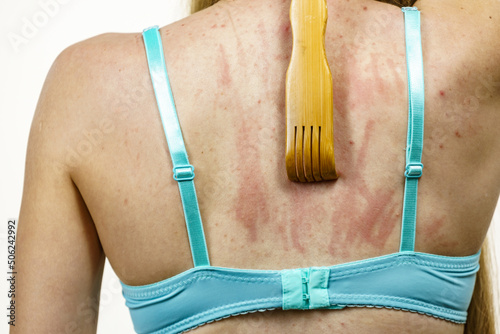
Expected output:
(309, 97)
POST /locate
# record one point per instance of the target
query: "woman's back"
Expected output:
(98, 128)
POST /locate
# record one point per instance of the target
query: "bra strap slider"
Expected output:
(414, 170)
(183, 173)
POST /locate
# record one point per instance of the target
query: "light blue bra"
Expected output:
(433, 285)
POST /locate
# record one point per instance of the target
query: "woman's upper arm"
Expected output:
(59, 259)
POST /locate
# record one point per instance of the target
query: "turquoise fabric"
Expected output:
(415, 141)
(305, 288)
(437, 286)
(183, 171)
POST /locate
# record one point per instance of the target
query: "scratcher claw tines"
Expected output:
(309, 97)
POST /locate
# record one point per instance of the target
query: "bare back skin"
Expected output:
(99, 176)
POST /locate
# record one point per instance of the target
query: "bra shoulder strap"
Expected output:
(183, 172)
(414, 63)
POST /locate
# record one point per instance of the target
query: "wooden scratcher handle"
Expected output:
(309, 97)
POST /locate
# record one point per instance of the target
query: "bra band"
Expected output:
(183, 171)
(415, 139)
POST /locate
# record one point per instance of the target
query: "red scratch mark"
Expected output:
(251, 205)
(225, 78)
(377, 213)
(296, 235)
(341, 123)
(436, 234)
(368, 212)
(282, 232)
(398, 78)
(381, 86)
(364, 147)
(434, 229)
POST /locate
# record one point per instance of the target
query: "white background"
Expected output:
(23, 68)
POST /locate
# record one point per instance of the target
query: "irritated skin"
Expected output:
(99, 180)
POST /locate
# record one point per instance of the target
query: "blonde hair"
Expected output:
(481, 317)
(197, 5)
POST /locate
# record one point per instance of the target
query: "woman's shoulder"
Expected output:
(87, 85)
